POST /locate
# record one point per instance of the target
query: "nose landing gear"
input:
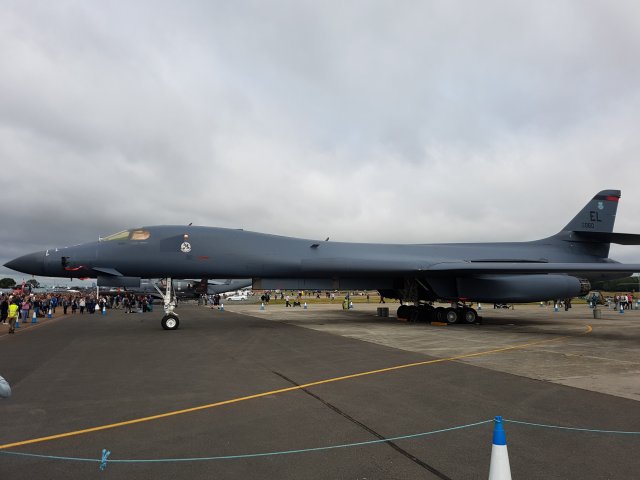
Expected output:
(170, 320)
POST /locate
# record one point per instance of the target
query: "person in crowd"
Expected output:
(12, 315)
(25, 307)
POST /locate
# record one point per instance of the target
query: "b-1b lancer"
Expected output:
(560, 266)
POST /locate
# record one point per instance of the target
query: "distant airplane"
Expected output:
(560, 266)
(213, 286)
(189, 289)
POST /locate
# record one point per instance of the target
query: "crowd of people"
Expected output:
(16, 307)
(623, 301)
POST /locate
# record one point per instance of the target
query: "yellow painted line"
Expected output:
(282, 390)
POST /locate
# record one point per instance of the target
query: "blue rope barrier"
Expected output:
(105, 453)
(576, 429)
(49, 457)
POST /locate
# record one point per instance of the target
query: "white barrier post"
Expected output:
(499, 468)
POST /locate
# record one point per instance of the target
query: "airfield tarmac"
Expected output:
(243, 372)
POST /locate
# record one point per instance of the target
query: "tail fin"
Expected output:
(598, 215)
(592, 229)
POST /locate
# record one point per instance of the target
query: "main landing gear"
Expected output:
(170, 320)
(428, 313)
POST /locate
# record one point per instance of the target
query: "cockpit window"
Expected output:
(123, 235)
(135, 235)
(140, 235)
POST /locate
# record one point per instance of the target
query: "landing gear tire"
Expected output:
(427, 314)
(469, 316)
(170, 322)
(414, 314)
(440, 314)
(403, 312)
(451, 315)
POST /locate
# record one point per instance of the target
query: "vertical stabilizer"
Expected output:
(591, 230)
(598, 215)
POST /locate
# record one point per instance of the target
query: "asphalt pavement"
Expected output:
(229, 384)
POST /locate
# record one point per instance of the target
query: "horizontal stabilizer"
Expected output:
(607, 237)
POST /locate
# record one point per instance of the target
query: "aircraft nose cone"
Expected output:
(32, 263)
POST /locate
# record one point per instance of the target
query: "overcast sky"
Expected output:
(374, 121)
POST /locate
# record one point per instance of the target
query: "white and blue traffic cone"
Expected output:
(555, 308)
(305, 305)
(621, 308)
(104, 309)
(18, 321)
(222, 307)
(499, 468)
(34, 317)
(479, 306)
(351, 305)
(49, 313)
(262, 306)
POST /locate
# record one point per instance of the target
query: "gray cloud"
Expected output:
(365, 121)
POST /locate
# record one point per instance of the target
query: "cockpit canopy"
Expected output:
(135, 235)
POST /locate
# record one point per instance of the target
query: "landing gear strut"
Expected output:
(170, 320)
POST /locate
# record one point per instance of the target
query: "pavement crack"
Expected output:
(368, 429)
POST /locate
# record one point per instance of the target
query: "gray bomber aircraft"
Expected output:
(560, 266)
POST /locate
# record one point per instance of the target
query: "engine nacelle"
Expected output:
(520, 288)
